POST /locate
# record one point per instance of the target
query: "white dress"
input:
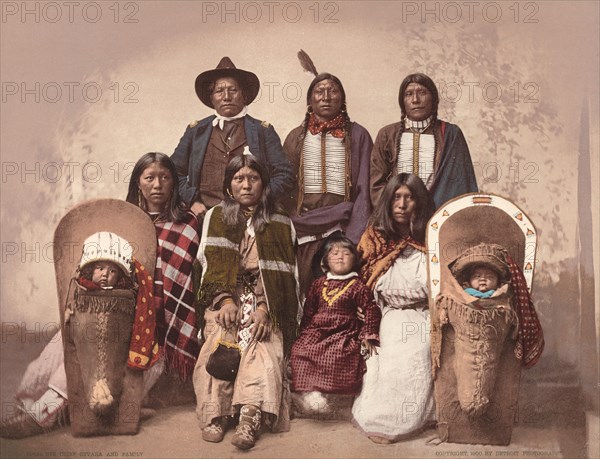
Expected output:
(397, 393)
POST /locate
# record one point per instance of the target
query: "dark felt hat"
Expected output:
(492, 256)
(248, 81)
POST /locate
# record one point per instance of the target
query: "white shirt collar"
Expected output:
(220, 120)
(342, 276)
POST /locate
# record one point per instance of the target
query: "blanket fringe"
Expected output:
(179, 363)
(445, 303)
(477, 316)
(210, 289)
(94, 303)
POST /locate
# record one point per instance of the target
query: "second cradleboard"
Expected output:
(479, 345)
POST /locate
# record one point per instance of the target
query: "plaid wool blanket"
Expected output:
(174, 293)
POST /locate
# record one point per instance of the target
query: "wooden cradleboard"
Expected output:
(133, 224)
(458, 225)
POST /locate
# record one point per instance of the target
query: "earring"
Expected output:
(309, 109)
(229, 193)
(141, 200)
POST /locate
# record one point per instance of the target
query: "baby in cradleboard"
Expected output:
(97, 273)
(106, 265)
(328, 358)
(111, 295)
(482, 271)
(483, 281)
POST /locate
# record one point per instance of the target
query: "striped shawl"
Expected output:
(220, 259)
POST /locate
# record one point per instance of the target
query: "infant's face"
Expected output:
(106, 274)
(340, 260)
(483, 279)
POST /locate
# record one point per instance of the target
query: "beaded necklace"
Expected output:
(331, 296)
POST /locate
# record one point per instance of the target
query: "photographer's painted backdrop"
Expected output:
(88, 87)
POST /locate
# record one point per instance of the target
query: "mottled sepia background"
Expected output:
(87, 87)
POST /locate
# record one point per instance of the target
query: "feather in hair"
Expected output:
(307, 63)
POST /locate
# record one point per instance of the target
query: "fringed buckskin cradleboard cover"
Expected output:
(475, 369)
(476, 386)
(97, 324)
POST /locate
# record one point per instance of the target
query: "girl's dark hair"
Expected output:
(174, 210)
(423, 80)
(382, 218)
(232, 213)
(345, 242)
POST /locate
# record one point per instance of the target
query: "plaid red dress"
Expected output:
(326, 356)
(174, 293)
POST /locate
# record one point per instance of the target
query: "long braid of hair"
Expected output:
(436, 138)
(438, 141)
(348, 154)
(306, 119)
(301, 165)
(398, 140)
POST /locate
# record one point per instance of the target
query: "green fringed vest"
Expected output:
(220, 258)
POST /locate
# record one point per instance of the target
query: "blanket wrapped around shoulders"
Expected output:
(220, 259)
(174, 293)
(379, 254)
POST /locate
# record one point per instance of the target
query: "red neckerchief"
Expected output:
(334, 126)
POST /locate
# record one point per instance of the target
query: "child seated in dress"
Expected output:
(326, 358)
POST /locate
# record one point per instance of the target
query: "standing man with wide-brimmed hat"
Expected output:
(208, 145)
